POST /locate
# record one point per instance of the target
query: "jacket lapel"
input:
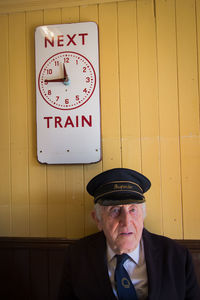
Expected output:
(99, 265)
(154, 266)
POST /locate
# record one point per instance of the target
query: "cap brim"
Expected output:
(112, 202)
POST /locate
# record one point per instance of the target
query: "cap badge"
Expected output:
(122, 186)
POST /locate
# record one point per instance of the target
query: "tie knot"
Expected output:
(121, 258)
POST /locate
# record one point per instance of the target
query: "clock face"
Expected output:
(67, 80)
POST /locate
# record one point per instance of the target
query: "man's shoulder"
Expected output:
(98, 236)
(162, 242)
(94, 240)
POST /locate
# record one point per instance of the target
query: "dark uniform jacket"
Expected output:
(169, 268)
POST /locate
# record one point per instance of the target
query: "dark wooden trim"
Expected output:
(40, 242)
(192, 245)
(34, 242)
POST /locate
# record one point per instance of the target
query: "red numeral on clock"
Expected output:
(49, 71)
(49, 92)
(57, 98)
(85, 90)
(84, 69)
(77, 97)
(87, 79)
(66, 60)
(66, 101)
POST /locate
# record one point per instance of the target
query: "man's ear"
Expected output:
(96, 219)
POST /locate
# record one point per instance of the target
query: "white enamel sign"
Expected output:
(67, 91)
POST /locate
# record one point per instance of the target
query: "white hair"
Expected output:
(98, 210)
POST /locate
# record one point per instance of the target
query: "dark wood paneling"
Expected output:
(56, 259)
(39, 273)
(21, 274)
(6, 272)
(31, 268)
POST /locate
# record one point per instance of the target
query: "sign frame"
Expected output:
(67, 93)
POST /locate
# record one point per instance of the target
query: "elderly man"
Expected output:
(124, 261)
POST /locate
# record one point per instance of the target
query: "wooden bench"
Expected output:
(30, 268)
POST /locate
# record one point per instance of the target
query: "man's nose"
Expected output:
(124, 218)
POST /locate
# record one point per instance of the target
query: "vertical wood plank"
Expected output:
(52, 16)
(6, 274)
(70, 14)
(89, 172)
(198, 70)
(55, 173)
(109, 76)
(89, 13)
(56, 201)
(75, 201)
(19, 124)
(39, 274)
(198, 38)
(37, 171)
(56, 263)
(169, 119)
(149, 111)
(189, 115)
(20, 279)
(129, 90)
(74, 179)
(5, 176)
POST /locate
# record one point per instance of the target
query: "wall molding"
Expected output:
(40, 242)
(13, 6)
(34, 242)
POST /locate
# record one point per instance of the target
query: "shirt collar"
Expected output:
(134, 255)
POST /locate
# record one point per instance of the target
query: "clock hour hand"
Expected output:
(55, 80)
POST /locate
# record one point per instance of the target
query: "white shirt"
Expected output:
(136, 268)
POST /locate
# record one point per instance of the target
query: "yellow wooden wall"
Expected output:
(149, 76)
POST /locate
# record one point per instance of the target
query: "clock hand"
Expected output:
(65, 72)
(55, 80)
(66, 78)
(63, 80)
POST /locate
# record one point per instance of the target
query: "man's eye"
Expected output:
(133, 210)
(115, 212)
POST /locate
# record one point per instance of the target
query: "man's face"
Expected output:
(122, 226)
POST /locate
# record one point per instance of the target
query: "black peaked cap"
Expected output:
(118, 186)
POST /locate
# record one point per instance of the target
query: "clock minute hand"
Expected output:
(66, 77)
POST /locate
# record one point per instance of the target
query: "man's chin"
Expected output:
(126, 246)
